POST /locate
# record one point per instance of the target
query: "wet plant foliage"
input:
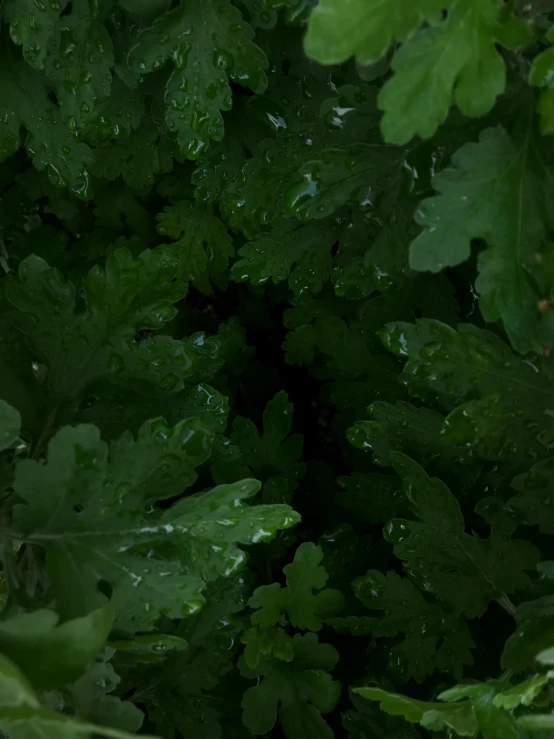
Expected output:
(276, 369)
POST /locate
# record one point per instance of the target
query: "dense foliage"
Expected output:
(277, 392)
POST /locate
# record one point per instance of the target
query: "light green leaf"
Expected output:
(498, 190)
(53, 654)
(454, 61)
(522, 694)
(542, 75)
(15, 688)
(435, 716)
(339, 29)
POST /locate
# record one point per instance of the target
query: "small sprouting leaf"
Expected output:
(304, 608)
(272, 640)
(274, 450)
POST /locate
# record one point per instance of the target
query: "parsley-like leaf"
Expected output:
(498, 190)
(297, 692)
(302, 606)
(209, 44)
(95, 525)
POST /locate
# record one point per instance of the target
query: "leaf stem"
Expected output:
(507, 604)
(4, 256)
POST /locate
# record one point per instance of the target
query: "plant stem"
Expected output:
(507, 604)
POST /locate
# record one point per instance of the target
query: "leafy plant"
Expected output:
(276, 371)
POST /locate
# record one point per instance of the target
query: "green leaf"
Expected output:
(149, 648)
(204, 246)
(296, 692)
(138, 159)
(79, 62)
(493, 721)
(10, 424)
(304, 609)
(274, 450)
(534, 502)
(53, 654)
(16, 690)
(210, 44)
(533, 635)
(496, 399)
(498, 190)
(522, 694)
(93, 702)
(341, 176)
(434, 639)
(22, 717)
(272, 640)
(434, 716)
(339, 29)
(51, 145)
(465, 571)
(368, 720)
(415, 432)
(93, 354)
(85, 544)
(32, 26)
(301, 253)
(296, 11)
(181, 693)
(541, 76)
(453, 61)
